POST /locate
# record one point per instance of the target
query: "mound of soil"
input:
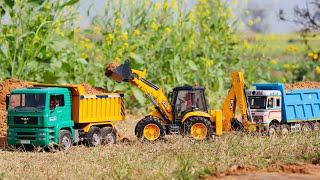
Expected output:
(94, 90)
(288, 171)
(3, 141)
(5, 88)
(303, 85)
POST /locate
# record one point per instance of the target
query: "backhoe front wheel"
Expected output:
(149, 129)
(198, 128)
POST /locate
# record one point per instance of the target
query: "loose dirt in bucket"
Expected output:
(303, 85)
(110, 67)
(110, 72)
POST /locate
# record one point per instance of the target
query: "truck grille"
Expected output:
(26, 135)
(25, 120)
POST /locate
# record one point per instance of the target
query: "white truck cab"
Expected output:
(265, 106)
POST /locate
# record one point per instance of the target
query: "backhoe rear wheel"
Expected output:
(149, 129)
(198, 128)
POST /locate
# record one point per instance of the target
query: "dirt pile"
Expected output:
(303, 85)
(288, 171)
(5, 88)
(94, 90)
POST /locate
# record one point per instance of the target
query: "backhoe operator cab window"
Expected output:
(188, 100)
(56, 101)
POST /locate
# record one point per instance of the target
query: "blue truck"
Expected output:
(277, 110)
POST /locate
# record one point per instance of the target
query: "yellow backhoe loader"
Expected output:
(185, 110)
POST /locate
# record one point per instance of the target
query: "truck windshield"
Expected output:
(27, 101)
(257, 102)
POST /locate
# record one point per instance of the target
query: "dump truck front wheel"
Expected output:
(94, 136)
(198, 128)
(149, 129)
(108, 135)
(65, 139)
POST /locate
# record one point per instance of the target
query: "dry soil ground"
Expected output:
(233, 156)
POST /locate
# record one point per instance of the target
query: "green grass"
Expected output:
(175, 157)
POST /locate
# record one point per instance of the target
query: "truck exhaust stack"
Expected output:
(118, 72)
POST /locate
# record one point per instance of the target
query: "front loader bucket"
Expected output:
(119, 73)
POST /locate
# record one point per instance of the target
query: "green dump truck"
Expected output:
(60, 115)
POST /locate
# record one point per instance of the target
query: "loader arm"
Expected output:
(236, 98)
(152, 91)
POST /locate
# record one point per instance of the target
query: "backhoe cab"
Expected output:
(185, 113)
(187, 99)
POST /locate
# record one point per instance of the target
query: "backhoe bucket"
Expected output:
(119, 73)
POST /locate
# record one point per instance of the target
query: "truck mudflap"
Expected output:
(30, 136)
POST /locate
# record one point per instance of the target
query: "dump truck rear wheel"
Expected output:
(198, 128)
(65, 139)
(94, 136)
(149, 129)
(108, 135)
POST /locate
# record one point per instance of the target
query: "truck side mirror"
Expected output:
(7, 101)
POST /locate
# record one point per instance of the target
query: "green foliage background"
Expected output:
(176, 43)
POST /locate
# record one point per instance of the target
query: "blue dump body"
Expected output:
(297, 105)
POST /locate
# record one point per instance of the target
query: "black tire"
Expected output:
(237, 125)
(139, 129)
(108, 135)
(306, 127)
(284, 129)
(93, 137)
(187, 125)
(65, 139)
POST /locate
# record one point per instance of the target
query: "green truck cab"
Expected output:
(45, 116)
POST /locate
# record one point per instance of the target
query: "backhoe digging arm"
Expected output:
(236, 98)
(152, 91)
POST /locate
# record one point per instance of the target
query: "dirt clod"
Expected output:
(303, 85)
